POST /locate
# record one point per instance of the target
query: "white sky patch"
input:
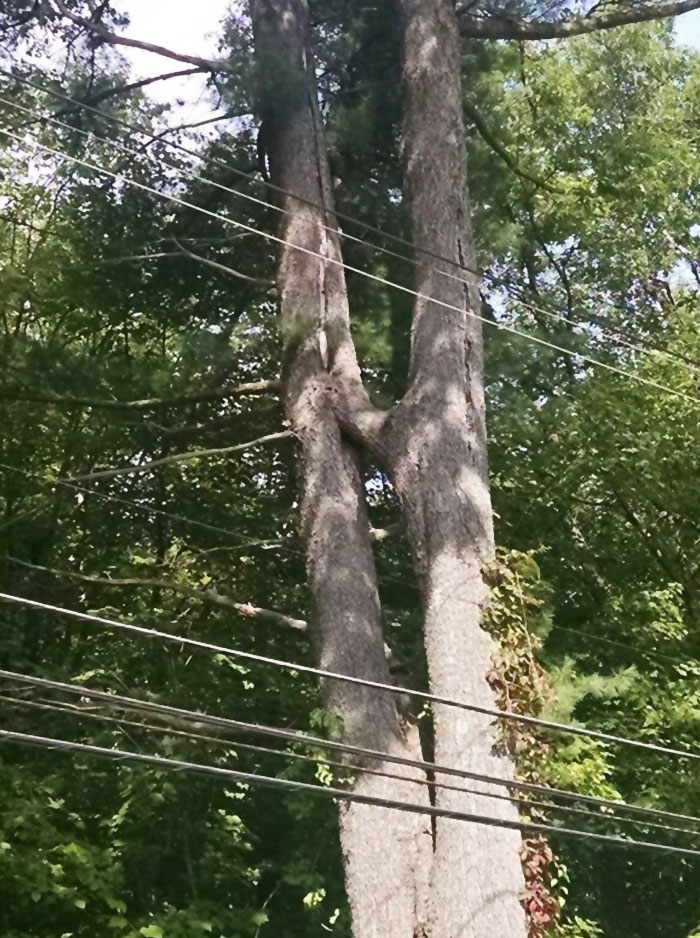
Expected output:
(687, 29)
(183, 26)
(192, 27)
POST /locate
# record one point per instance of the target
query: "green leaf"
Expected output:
(151, 931)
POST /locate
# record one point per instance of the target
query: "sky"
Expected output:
(688, 29)
(180, 25)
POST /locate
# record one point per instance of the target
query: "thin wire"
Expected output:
(208, 160)
(290, 550)
(351, 679)
(638, 651)
(206, 719)
(132, 504)
(341, 794)
(374, 277)
(345, 766)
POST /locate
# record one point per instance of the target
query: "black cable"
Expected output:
(348, 767)
(501, 326)
(340, 794)
(351, 679)
(176, 713)
(253, 542)
(460, 264)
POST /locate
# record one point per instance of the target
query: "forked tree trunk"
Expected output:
(433, 443)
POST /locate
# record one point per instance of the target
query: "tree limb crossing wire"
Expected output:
(503, 327)
(418, 250)
(207, 596)
(182, 457)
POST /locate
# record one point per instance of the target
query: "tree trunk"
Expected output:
(387, 858)
(433, 444)
(437, 444)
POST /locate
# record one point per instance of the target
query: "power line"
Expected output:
(503, 327)
(639, 651)
(198, 719)
(132, 504)
(351, 679)
(347, 767)
(245, 542)
(214, 161)
(340, 794)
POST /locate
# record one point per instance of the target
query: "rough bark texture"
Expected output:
(438, 443)
(387, 856)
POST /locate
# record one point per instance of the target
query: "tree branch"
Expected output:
(133, 86)
(209, 65)
(152, 403)
(24, 17)
(498, 148)
(247, 610)
(197, 429)
(215, 265)
(180, 457)
(493, 27)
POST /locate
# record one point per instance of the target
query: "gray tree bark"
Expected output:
(437, 442)
(387, 859)
(433, 443)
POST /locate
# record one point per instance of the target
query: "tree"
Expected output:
(431, 444)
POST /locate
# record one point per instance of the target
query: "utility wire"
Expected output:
(340, 794)
(208, 160)
(503, 327)
(351, 679)
(639, 651)
(132, 504)
(196, 718)
(347, 767)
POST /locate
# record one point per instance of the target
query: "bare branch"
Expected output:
(181, 457)
(197, 429)
(226, 116)
(209, 65)
(215, 265)
(134, 86)
(152, 403)
(498, 148)
(494, 27)
(209, 596)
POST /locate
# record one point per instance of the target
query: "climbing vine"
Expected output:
(517, 617)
